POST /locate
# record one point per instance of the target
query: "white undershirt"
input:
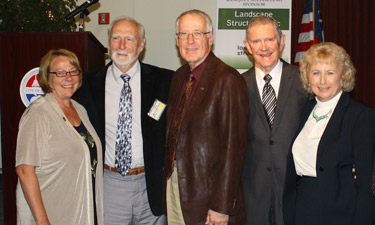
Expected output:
(305, 147)
(276, 78)
(113, 87)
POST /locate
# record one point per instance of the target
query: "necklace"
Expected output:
(317, 118)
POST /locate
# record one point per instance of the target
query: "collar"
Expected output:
(331, 102)
(275, 72)
(198, 71)
(116, 72)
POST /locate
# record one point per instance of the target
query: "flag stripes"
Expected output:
(311, 29)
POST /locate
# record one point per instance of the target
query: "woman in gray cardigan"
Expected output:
(58, 156)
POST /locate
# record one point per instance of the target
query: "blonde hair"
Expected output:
(329, 53)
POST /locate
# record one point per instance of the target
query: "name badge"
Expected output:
(156, 110)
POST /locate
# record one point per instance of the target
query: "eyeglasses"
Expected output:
(196, 34)
(64, 73)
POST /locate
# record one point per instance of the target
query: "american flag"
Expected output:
(311, 29)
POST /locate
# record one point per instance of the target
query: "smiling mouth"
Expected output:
(266, 54)
(323, 88)
(191, 49)
(67, 86)
(122, 54)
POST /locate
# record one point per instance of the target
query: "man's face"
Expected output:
(194, 50)
(265, 46)
(125, 44)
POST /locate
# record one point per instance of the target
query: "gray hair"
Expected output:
(263, 20)
(141, 28)
(196, 12)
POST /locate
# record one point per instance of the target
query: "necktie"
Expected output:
(123, 154)
(269, 100)
(175, 127)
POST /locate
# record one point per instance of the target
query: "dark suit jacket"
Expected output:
(267, 149)
(334, 196)
(212, 143)
(155, 84)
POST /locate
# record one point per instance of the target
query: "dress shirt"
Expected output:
(113, 87)
(197, 74)
(276, 78)
(305, 147)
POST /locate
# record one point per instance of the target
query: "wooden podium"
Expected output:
(19, 53)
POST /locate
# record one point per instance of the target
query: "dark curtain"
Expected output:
(350, 24)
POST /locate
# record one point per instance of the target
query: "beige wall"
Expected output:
(157, 16)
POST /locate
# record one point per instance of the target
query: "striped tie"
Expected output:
(269, 100)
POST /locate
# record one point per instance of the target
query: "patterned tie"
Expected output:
(175, 128)
(269, 99)
(123, 155)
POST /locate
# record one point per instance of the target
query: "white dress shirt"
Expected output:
(305, 147)
(276, 78)
(113, 87)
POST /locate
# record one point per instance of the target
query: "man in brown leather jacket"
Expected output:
(207, 115)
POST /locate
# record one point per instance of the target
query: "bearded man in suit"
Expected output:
(206, 131)
(132, 194)
(276, 102)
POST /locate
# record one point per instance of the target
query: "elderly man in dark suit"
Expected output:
(126, 103)
(206, 131)
(276, 102)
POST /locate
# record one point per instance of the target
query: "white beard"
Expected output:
(121, 62)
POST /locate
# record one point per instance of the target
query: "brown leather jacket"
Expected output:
(212, 143)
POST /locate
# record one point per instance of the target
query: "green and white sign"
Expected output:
(233, 16)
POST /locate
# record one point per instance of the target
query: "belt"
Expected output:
(134, 171)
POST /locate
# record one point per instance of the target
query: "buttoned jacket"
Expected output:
(334, 196)
(267, 148)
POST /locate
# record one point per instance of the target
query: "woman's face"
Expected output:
(62, 87)
(325, 80)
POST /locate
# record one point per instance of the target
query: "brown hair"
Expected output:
(45, 63)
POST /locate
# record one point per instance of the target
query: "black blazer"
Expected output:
(155, 84)
(334, 197)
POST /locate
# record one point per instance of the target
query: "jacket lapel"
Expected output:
(174, 92)
(287, 81)
(200, 91)
(333, 129)
(254, 94)
(146, 91)
(98, 87)
(98, 82)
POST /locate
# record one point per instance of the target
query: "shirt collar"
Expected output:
(330, 102)
(275, 72)
(198, 71)
(135, 69)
